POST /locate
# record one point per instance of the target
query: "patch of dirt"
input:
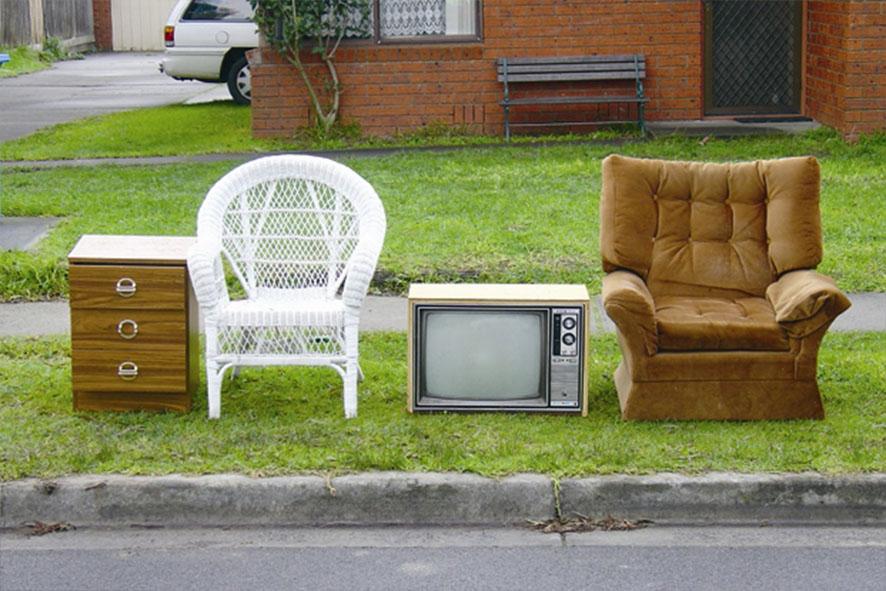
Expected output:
(582, 523)
(39, 528)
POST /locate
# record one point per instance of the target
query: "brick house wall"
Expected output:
(396, 87)
(101, 19)
(391, 88)
(846, 65)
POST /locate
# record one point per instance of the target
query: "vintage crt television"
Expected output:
(489, 347)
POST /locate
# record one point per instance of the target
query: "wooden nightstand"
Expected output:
(134, 331)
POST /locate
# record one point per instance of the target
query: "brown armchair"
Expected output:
(711, 286)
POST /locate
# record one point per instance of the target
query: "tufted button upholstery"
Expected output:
(693, 228)
(718, 324)
(710, 285)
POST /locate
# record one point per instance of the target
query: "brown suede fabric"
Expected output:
(710, 226)
(715, 324)
(710, 286)
(805, 300)
(630, 306)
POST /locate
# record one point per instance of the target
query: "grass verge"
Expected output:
(289, 420)
(223, 127)
(517, 214)
(24, 60)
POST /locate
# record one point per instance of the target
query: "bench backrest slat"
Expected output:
(571, 76)
(590, 59)
(548, 69)
(572, 69)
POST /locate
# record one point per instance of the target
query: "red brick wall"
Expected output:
(846, 65)
(392, 88)
(101, 16)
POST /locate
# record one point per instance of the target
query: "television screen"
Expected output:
(484, 355)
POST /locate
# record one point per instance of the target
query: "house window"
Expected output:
(419, 20)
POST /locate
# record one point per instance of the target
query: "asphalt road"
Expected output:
(100, 83)
(807, 558)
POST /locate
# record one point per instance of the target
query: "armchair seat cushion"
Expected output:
(718, 324)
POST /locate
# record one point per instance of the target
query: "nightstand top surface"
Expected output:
(142, 250)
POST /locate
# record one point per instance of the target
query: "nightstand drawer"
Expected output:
(126, 330)
(111, 370)
(128, 287)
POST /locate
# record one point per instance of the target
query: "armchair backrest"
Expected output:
(695, 229)
(292, 223)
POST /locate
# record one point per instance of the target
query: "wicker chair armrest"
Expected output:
(207, 277)
(805, 300)
(364, 260)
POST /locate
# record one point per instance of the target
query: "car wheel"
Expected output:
(240, 81)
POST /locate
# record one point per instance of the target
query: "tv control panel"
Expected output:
(566, 350)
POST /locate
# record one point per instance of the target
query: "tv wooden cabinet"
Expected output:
(134, 331)
(498, 348)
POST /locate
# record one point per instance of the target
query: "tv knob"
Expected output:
(568, 339)
(569, 323)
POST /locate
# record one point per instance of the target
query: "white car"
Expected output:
(208, 40)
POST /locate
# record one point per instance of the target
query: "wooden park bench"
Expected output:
(4, 57)
(572, 69)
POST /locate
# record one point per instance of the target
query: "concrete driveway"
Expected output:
(101, 83)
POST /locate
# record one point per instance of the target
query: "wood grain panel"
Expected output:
(131, 250)
(157, 288)
(159, 370)
(95, 329)
(131, 401)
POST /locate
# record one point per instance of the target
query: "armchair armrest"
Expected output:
(207, 277)
(804, 301)
(628, 302)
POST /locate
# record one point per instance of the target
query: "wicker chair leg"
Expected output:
(213, 390)
(352, 368)
(351, 390)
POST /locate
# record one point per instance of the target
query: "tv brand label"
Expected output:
(564, 403)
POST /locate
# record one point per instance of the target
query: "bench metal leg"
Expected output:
(640, 112)
(507, 123)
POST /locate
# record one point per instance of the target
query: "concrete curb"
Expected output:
(730, 498)
(396, 498)
(381, 498)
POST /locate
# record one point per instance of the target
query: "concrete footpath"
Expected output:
(384, 313)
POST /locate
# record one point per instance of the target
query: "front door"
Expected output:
(752, 56)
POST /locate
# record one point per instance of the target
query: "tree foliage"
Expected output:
(293, 26)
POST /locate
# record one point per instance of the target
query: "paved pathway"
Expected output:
(100, 83)
(868, 313)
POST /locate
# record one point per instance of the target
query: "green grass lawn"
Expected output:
(24, 60)
(284, 421)
(484, 214)
(223, 127)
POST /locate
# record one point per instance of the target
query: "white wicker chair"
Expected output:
(296, 231)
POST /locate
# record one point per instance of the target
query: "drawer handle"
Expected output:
(126, 287)
(127, 333)
(127, 371)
